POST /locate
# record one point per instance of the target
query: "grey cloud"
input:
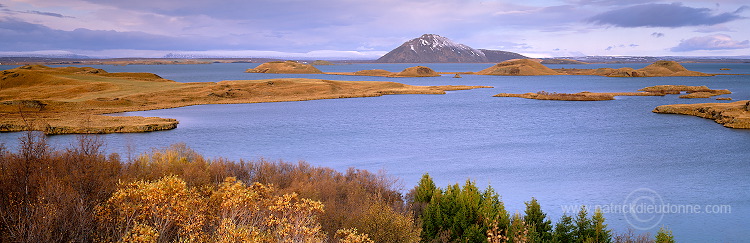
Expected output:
(23, 36)
(657, 34)
(47, 14)
(663, 15)
(710, 42)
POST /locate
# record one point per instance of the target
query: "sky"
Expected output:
(367, 29)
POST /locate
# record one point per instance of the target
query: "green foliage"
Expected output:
(601, 233)
(564, 230)
(664, 235)
(425, 189)
(583, 228)
(537, 220)
(463, 214)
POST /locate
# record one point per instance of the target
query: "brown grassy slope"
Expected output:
(288, 67)
(733, 115)
(518, 67)
(418, 71)
(72, 100)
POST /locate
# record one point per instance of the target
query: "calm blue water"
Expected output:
(563, 153)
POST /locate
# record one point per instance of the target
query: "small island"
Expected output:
(69, 100)
(732, 115)
(413, 72)
(658, 90)
(286, 67)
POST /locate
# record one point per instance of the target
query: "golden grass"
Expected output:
(72, 100)
(733, 115)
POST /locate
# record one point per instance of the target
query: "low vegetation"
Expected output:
(79, 194)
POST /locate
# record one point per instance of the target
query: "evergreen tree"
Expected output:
(425, 189)
(564, 230)
(520, 231)
(600, 233)
(583, 226)
(462, 214)
(537, 220)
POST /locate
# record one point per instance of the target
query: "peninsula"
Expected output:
(732, 115)
(75, 100)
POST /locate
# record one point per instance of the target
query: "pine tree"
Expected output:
(601, 233)
(537, 220)
(425, 189)
(583, 227)
(462, 214)
(564, 230)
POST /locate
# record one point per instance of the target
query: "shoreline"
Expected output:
(71, 100)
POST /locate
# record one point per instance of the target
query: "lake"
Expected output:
(563, 153)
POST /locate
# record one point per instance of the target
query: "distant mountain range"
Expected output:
(432, 48)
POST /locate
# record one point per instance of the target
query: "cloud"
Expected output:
(710, 42)
(609, 48)
(606, 2)
(715, 28)
(47, 14)
(657, 34)
(23, 36)
(663, 15)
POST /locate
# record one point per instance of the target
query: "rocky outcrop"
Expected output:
(732, 115)
(520, 67)
(287, 67)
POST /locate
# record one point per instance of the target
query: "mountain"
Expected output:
(501, 56)
(431, 48)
